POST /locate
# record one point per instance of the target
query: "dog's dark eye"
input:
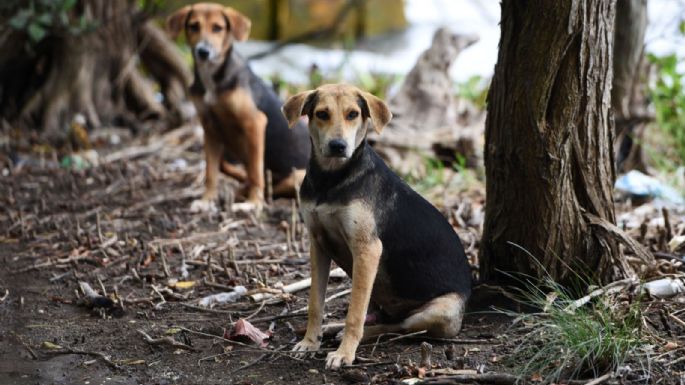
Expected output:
(352, 115)
(194, 27)
(216, 28)
(323, 115)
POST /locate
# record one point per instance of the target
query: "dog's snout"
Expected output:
(337, 147)
(202, 53)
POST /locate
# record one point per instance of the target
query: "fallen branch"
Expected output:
(600, 379)
(156, 145)
(49, 263)
(332, 297)
(165, 341)
(297, 286)
(175, 196)
(102, 356)
(426, 353)
(205, 309)
(4, 297)
(489, 378)
(611, 288)
(247, 346)
(195, 238)
(255, 362)
(26, 346)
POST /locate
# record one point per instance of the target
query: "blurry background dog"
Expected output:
(240, 114)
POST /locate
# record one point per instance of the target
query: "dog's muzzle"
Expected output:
(202, 53)
(337, 148)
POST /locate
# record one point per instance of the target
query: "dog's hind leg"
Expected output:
(441, 318)
(373, 331)
(289, 186)
(236, 172)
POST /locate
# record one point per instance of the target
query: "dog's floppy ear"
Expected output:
(176, 21)
(298, 105)
(240, 24)
(376, 109)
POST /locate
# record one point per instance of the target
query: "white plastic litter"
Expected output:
(226, 297)
(665, 287)
(677, 244)
(178, 164)
(636, 183)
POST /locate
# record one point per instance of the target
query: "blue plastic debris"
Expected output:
(640, 185)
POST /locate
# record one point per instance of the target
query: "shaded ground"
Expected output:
(115, 227)
(110, 224)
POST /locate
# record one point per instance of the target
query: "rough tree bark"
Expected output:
(93, 73)
(628, 96)
(549, 156)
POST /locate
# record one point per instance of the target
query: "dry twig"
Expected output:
(165, 341)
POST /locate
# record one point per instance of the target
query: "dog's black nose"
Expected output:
(202, 53)
(337, 147)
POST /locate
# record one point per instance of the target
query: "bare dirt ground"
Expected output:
(124, 228)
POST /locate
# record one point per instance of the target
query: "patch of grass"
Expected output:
(563, 342)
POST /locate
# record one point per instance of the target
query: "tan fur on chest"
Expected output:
(340, 229)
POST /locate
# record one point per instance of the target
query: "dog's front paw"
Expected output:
(306, 345)
(203, 206)
(339, 358)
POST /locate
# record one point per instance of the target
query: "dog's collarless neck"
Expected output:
(225, 77)
(322, 181)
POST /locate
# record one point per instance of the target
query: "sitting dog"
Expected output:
(402, 254)
(240, 115)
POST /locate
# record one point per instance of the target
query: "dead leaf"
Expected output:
(184, 284)
(50, 345)
(536, 377)
(670, 345)
(246, 332)
(148, 260)
(172, 331)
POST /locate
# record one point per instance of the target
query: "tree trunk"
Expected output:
(628, 97)
(549, 156)
(92, 73)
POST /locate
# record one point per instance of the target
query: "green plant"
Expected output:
(668, 96)
(376, 83)
(41, 18)
(475, 90)
(568, 340)
(432, 175)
